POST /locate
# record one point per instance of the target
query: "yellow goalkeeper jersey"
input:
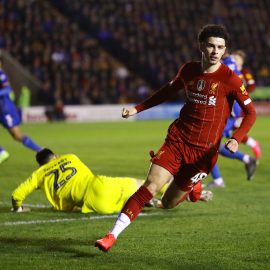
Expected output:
(68, 183)
(64, 181)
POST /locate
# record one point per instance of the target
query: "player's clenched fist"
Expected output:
(127, 112)
(232, 145)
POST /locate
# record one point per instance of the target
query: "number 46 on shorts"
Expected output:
(197, 177)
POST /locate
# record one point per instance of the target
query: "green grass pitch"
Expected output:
(230, 232)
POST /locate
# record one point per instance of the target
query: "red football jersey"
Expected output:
(209, 99)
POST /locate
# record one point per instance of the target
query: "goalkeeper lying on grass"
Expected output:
(70, 185)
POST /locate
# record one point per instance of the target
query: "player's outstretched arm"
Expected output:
(22, 191)
(127, 112)
(232, 145)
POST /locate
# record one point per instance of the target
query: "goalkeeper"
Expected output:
(70, 185)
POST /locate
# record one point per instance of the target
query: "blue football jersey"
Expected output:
(230, 63)
(9, 116)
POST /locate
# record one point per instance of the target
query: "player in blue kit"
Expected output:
(250, 162)
(10, 118)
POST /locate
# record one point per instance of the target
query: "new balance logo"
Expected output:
(212, 101)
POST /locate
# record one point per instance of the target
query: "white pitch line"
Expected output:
(30, 222)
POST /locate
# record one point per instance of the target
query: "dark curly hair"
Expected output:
(213, 30)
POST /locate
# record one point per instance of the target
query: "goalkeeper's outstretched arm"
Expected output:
(21, 192)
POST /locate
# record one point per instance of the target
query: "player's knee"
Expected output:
(152, 186)
(167, 204)
(194, 197)
(195, 194)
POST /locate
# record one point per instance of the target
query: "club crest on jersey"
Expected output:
(200, 85)
(213, 88)
(243, 90)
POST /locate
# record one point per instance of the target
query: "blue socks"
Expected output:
(30, 144)
(215, 172)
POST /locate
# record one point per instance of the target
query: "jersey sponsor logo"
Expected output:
(197, 177)
(200, 85)
(197, 97)
(213, 88)
(212, 101)
(243, 89)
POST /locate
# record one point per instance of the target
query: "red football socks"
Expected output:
(136, 202)
(195, 193)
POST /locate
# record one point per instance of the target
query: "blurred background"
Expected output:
(91, 52)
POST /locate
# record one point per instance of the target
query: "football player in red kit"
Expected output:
(191, 147)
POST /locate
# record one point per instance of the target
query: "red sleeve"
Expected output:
(163, 94)
(241, 96)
